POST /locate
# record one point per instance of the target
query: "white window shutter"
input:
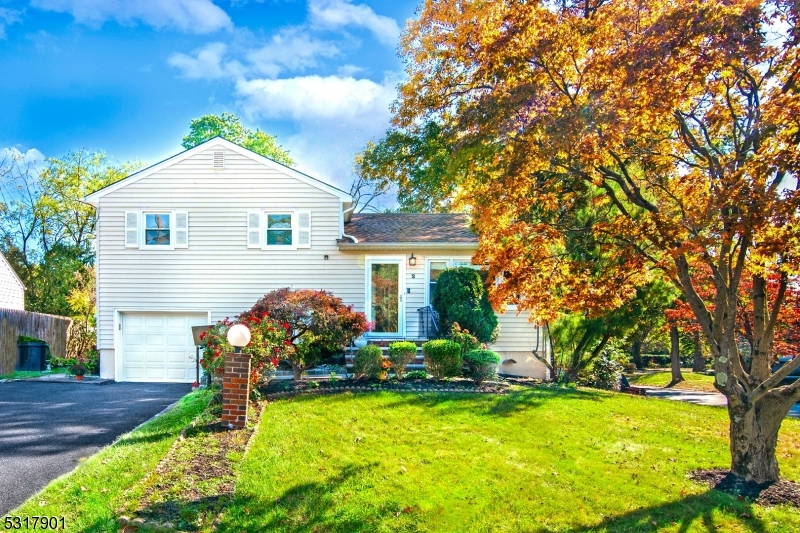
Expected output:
(254, 229)
(304, 229)
(131, 229)
(181, 229)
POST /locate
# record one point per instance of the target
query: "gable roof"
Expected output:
(419, 229)
(8, 267)
(212, 143)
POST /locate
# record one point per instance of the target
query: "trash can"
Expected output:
(32, 356)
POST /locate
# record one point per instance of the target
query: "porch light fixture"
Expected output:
(238, 336)
(412, 261)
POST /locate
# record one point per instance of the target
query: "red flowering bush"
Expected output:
(267, 346)
(318, 323)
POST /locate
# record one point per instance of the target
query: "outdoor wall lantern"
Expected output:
(238, 336)
(412, 261)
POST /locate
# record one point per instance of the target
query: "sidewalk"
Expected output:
(714, 399)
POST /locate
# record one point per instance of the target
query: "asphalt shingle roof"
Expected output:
(411, 227)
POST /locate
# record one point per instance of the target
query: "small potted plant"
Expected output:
(78, 370)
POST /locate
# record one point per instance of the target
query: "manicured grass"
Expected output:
(543, 459)
(24, 374)
(89, 495)
(692, 381)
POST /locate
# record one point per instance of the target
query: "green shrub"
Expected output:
(481, 364)
(416, 374)
(460, 296)
(368, 361)
(605, 373)
(467, 340)
(442, 358)
(24, 339)
(401, 354)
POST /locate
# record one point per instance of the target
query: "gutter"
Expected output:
(471, 246)
(344, 217)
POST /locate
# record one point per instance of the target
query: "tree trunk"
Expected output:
(754, 438)
(675, 356)
(637, 354)
(698, 363)
(297, 372)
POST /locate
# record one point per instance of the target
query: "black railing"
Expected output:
(428, 322)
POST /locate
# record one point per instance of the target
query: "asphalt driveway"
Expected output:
(46, 428)
(701, 398)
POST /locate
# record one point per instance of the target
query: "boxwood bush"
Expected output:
(368, 361)
(481, 364)
(401, 354)
(442, 358)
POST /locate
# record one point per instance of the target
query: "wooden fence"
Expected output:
(50, 328)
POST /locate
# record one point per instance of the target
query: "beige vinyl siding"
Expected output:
(217, 272)
(12, 295)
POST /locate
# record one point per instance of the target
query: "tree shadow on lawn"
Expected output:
(309, 506)
(683, 514)
(486, 404)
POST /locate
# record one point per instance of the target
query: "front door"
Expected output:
(385, 297)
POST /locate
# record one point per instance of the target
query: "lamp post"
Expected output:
(236, 379)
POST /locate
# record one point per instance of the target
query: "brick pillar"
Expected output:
(235, 389)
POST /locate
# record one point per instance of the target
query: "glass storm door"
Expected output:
(385, 300)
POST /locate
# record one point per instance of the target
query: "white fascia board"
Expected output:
(13, 272)
(465, 246)
(212, 143)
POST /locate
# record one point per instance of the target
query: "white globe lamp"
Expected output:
(238, 336)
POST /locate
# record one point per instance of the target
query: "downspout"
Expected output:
(344, 215)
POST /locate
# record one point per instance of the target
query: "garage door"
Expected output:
(158, 346)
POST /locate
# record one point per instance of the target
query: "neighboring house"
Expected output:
(204, 234)
(12, 291)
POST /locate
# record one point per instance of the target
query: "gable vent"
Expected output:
(219, 160)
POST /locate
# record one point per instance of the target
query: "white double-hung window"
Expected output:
(157, 229)
(279, 229)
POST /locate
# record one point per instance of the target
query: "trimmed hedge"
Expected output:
(442, 358)
(482, 364)
(401, 354)
(368, 361)
(460, 296)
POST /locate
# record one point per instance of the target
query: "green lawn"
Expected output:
(88, 496)
(23, 374)
(692, 381)
(538, 460)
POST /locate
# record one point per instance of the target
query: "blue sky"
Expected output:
(127, 76)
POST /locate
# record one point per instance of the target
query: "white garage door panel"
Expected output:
(158, 346)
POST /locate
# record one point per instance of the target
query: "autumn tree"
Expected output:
(229, 127)
(680, 117)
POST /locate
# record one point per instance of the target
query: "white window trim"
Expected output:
(264, 229)
(261, 215)
(143, 225)
(369, 260)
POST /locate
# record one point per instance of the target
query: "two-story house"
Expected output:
(204, 234)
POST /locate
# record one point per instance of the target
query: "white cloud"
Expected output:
(335, 14)
(192, 16)
(290, 49)
(206, 63)
(14, 158)
(334, 116)
(316, 97)
(7, 17)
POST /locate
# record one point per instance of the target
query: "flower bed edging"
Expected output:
(351, 388)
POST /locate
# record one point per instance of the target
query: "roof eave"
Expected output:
(462, 246)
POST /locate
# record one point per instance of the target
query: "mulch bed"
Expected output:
(195, 481)
(286, 387)
(782, 492)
